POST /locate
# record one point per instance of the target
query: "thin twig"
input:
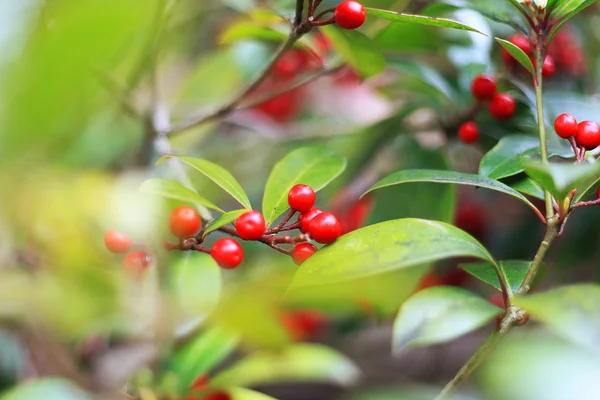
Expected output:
(233, 104)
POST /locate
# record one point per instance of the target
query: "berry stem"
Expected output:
(537, 82)
(299, 10)
(323, 22)
(324, 12)
(278, 228)
(585, 204)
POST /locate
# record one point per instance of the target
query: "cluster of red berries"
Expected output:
(185, 223)
(548, 67)
(586, 134)
(567, 53)
(501, 105)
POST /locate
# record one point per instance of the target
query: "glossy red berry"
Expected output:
(324, 228)
(565, 126)
(302, 251)
(301, 198)
(548, 67)
(251, 225)
(483, 87)
(306, 217)
(502, 106)
(116, 241)
(468, 132)
(521, 42)
(228, 253)
(290, 63)
(136, 262)
(598, 193)
(184, 222)
(349, 14)
(588, 135)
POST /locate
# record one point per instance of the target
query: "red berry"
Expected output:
(349, 14)
(251, 225)
(548, 67)
(136, 263)
(598, 193)
(281, 108)
(302, 251)
(301, 198)
(306, 217)
(565, 126)
(588, 135)
(468, 132)
(184, 222)
(227, 252)
(502, 106)
(116, 241)
(217, 396)
(324, 228)
(290, 64)
(483, 87)
(521, 42)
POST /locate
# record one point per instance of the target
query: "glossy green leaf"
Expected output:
(524, 184)
(223, 220)
(250, 30)
(303, 362)
(569, 8)
(420, 19)
(512, 151)
(387, 246)
(201, 354)
(514, 271)
(247, 394)
(571, 311)
(560, 179)
(312, 166)
(360, 52)
(47, 389)
(518, 54)
(218, 175)
(195, 282)
(438, 315)
(176, 191)
(545, 367)
(459, 178)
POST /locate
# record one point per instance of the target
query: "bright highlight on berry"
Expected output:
(565, 126)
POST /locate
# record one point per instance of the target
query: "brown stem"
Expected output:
(298, 14)
(323, 22)
(595, 202)
(278, 228)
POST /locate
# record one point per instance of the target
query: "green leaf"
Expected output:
(571, 311)
(176, 191)
(223, 220)
(250, 30)
(518, 54)
(420, 19)
(508, 156)
(201, 354)
(460, 178)
(387, 246)
(47, 389)
(569, 8)
(312, 166)
(218, 175)
(546, 367)
(196, 285)
(560, 179)
(526, 185)
(438, 315)
(514, 271)
(303, 362)
(247, 394)
(360, 52)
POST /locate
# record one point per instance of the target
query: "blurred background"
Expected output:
(93, 93)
